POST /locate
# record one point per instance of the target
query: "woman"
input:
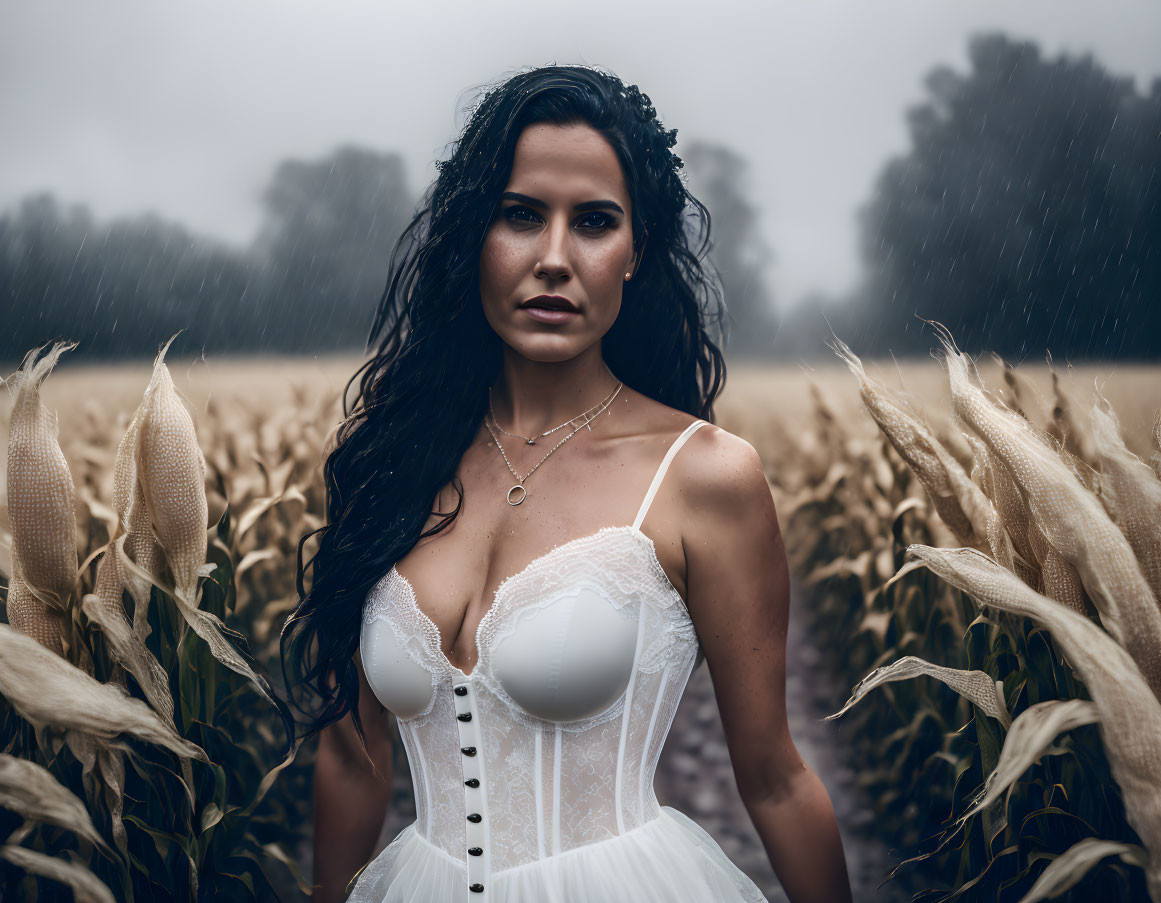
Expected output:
(533, 534)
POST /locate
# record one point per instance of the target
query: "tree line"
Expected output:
(1026, 216)
(308, 282)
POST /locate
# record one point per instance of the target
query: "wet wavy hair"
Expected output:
(424, 393)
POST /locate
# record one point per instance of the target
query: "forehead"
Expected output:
(566, 159)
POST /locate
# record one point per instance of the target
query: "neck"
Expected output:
(532, 396)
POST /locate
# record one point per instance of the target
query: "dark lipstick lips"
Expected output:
(550, 302)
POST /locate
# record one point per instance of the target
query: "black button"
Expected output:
(461, 691)
(475, 818)
(476, 888)
(472, 782)
(475, 851)
(466, 716)
(468, 750)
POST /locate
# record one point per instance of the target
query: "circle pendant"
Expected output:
(523, 495)
(531, 441)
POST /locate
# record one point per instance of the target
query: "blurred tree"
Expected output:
(717, 177)
(119, 288)
(1026, 216)
(325, 247)
(309, 282)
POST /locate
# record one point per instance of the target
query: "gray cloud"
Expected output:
(185, 109)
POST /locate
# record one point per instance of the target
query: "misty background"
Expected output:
(242, 174)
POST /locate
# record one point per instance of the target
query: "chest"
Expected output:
(560, 642)
(454, 576)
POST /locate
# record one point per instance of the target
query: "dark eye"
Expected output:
(596, 221)
(519, 214)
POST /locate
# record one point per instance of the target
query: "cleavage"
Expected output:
(441, 586)
(462, 622)
(492, 539)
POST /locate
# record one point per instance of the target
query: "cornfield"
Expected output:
(1018, 565)
(1008, 546)
(108, 567)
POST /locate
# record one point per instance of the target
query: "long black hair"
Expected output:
(424, 391)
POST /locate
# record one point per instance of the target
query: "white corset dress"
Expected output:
(533, 775)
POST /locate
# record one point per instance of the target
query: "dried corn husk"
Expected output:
(104, 608)
(169, 483)
(171, 471)
(253, 557)
(1073, 864)
(1130, 714)
(31, 616)
(1131, 492)
(260, 506)
(1059, 580)
(961, 504)
(33, 793)
(859, 566)
(41, 499)
(1015, 397)
(111, 769)
(87, 887)
(1014, 529)
(1156, 462)
(133, 522)
(1029, 738)
(46, 690)
(999, 539)
(1071, 518)
(1019, 544)
(977, 686)
(1065, 428)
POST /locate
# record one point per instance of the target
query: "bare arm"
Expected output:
(351, 794)
(738, 589)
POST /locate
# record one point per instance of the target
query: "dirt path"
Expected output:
(695, 776)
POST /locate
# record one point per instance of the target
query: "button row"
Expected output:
(477, 834)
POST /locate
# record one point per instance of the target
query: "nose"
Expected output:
(554, 262)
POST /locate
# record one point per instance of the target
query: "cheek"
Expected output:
(605, 264)
(501, 264)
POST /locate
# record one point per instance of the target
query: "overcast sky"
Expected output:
(185, 108)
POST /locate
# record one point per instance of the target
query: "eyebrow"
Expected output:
(533, 202)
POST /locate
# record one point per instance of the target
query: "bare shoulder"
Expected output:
(720, 472)
(728, 518)
(716, 472)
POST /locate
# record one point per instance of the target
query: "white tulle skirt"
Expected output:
(668, 860)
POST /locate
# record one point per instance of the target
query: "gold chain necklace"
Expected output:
(588, 419)
(532, 440)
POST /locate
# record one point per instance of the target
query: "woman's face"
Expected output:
(563, 228)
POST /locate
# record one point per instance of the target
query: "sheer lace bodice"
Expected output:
(549, 746)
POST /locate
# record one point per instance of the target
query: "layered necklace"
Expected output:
(518, 493)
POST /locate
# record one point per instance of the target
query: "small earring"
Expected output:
(627, 275)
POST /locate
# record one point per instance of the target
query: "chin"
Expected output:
(546, 348)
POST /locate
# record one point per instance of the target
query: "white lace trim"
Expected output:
(394, 599)
(391, 600)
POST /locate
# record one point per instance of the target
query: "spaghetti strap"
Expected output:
(661, 469)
